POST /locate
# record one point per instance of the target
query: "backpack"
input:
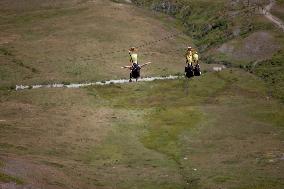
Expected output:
(135, 71)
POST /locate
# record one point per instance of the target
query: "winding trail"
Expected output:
(266, 12)
(78, 85)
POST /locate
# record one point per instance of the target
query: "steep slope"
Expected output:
(235, 33)
(220, 130)
(63, 41)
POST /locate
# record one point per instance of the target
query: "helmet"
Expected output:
(132, 49)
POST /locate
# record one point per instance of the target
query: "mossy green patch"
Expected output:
(122, 152)
(7, 178)
(269, 113)
(160, 93)
(271, 71)
(6, 146)
(148, 132)
(1, 164)
(166, 126)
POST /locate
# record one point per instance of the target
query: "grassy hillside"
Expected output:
(210, 22)
(146, 135)
(232, 33)
(279, 9)
(68, 41)
(220, 130)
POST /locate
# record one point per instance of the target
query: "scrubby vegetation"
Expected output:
(209, 22)
(212, 23)
(272, 72)
(7, 178)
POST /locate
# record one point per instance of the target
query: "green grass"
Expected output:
(13, 66)
(122, 152)
(269, 115)
(142, 134)
(271, 71)
(209, 23)
(7, 178)
(165, 127)
(207, 132)
(38, 43)
(165, 117)
(1, 164)
(195, 15)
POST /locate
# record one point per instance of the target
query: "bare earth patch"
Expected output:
(4, 39)
(34, 175)
(257, 46)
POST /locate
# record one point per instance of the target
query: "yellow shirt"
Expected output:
(189, 56)
(195, 57)
(134, 57)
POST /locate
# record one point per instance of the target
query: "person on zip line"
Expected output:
(195, 59)
(134, 67)
(189, 59)
(188, 56)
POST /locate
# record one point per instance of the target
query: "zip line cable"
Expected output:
(149, 53)
(150, 43)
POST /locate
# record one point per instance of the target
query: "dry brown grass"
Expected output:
(227, 133)
(64, 42)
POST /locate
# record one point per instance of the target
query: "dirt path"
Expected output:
(78, 85)
(266, 12)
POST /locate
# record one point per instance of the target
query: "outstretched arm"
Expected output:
(145, 64)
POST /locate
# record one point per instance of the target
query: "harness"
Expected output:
(196, 70)
(189, 71)
(131, 60)
(135, 71)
